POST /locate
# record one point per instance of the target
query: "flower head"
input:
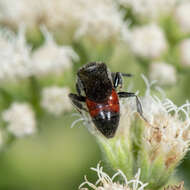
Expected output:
(155, 142)
(55, 100)
(182, 14)
(14, 55)
(20, 119)
(147, 41)
(184, 52)
(52, 58)
(163, 73)
(148, 9)
(107, 183)
(19, 62)
(20, 11)
(100, 20)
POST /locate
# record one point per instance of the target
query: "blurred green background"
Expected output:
(58, 156)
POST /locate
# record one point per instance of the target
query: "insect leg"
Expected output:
(131, 94)
(77, 100)
(117, 78)
(79, 87)
(126, 74)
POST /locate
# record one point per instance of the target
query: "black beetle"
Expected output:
(99, 86)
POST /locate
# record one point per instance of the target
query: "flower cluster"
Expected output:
(158, 31)
(19, 62)
(148, 41)
(156, 142)
(153, 36)
(98, 19)
(55, 100)
(164, 73)
(14, 55)
(182, 14)
(23, 71)
(107, 183)
(184, 53)
(52, 58)
(20, 118)
(147, 9)
(101, 20)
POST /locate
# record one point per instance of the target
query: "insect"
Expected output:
(97, 94)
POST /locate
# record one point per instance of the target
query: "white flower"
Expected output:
(167, 135)
(150, 9)
(55, 100)
(67, 13)
(148, 41)
(20, 118)
(184, 52)
(14, 55)
(52, 58)
(162, 135)
(20, 11)
(166, 131)
(18, 61)
(182, 15)
(164, 73)
(107, 183)
(101, 20)
(36, 12)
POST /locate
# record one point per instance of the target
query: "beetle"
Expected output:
(97, 87)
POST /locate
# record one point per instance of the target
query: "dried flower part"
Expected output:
(147, 41)
(184, 52)
(155, 143)
(164, 73)
(20, 119)
(175, 187)
(182, 14)
(105, 182)
(55, 100)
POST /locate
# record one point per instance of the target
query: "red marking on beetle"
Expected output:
(111, 104)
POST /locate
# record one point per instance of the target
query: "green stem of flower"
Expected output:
(35, 95)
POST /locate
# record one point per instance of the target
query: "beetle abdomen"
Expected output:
(105, 115)
(107, 122)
